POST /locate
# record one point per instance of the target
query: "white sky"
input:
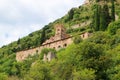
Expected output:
(18, 18)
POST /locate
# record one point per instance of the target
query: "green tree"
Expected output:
(77, 39)
(97, 17)
(14, 70)
(43, 36)
(71, 14)
(39, 71)
(94, 57)
(84, 74)
(104, 17)
(113, 27)
(3, 76)
(113, 10)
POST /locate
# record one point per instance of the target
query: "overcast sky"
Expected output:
(18, 18)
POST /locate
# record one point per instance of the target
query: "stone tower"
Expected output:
(60, 32)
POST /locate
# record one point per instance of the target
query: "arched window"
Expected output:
(36, 51)
(83, 36)
(59, 46)
(65, 45)
(58, 29)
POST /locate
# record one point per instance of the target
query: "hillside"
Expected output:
(96, 58)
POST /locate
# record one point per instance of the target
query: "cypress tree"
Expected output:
(97, 0)
(113, 10)
(104, 17)
(71, 13)
(102, 20)
(106, 12)
(43, 37)
(97, 18)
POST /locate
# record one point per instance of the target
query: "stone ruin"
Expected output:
(48, 57)
(58, 41)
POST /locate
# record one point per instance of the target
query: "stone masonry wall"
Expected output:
(22, 55)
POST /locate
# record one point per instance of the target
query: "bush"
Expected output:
(45, 51)
(77, 39)
(112, 28)
(3, 76)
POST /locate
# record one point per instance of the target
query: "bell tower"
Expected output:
(60, 31)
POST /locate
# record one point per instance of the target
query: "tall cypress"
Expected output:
(43, 37)
(113, 10)
(104, 17)
(106, 13)
(97, 0)
(71, 13)
(97, 18)
(102, 20)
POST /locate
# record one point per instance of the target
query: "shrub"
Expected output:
(112, 28)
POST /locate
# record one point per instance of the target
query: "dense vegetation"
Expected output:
(96, 58)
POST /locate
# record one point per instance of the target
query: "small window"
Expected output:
(59, 46)
(58, 29)
(83, 35)
(36, 51)
(65, 45)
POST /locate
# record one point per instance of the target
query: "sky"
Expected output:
(18, 18)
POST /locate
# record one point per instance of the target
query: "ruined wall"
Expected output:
(22, 55)
(59, 44)
(49, 56)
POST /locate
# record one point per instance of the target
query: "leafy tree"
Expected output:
(94, 57)
(3, 76)
(112, 28)
(77, 39)
(39, 71)
(14, 70)
(84, 74)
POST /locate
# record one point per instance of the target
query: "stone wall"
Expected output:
(49, 56)
(59, 44)
(22, 55)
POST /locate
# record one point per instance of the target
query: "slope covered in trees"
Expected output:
(96, 58)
